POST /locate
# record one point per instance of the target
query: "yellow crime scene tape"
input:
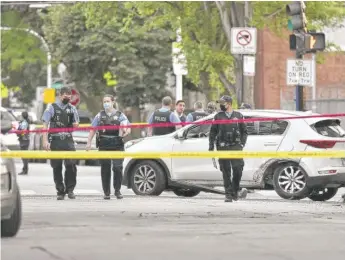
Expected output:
(155, 155)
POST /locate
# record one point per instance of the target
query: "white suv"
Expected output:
(316, 178)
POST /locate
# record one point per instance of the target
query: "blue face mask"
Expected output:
(107, 105)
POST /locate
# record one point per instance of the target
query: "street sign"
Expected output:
(243, 40)
(248, 65)
(75, 99)
(299, 72)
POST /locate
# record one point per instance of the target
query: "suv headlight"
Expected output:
(132, 142)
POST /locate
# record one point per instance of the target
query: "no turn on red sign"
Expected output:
(243, 40)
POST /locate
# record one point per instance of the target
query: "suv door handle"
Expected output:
(270, 144)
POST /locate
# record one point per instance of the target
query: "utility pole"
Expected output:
(302, 42)
(247, 81)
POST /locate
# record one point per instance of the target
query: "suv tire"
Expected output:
(323, 194)
(287, 176)
(186, 192)
(10, 227)
(148, 179)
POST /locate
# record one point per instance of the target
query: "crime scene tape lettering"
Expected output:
(144, 125)
(154, 155)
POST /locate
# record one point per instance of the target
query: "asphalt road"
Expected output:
(168, 227)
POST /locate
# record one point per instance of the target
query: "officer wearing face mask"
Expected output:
(110, 140)
(229, 137)
(24, 139)
(211, 107)
(61, 114)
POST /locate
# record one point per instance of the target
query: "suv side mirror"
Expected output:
(181, 135)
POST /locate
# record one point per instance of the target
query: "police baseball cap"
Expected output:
(245, 106)
(224, 99)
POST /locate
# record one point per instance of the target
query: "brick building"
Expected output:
(270, 89)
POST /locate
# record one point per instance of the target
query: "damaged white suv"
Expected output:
(316, 178)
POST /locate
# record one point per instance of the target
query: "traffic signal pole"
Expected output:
(299, 90)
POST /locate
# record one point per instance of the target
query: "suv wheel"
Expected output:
(10, 227)
(323, 194)
(290, 182)
(186, 192)
(148, 178)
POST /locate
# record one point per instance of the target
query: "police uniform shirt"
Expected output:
(190, 115)
(122, 118)
(49, 112)
(23, 125)
(173, 117)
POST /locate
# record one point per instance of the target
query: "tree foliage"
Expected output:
(23, 59)
(206, 27)
(139, 62)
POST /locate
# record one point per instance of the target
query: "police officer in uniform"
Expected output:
(229, 137)
(61, 114)
(198, 113)
(179, 110)
(162, 116)
(211, 107)
(24, 139)
(110, 140)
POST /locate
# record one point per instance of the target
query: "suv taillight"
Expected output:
(321, 144)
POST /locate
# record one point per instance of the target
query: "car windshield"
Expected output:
(330, 128)
(5, 115)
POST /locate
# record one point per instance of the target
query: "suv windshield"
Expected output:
(330, 128)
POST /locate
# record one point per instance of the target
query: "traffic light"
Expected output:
(298, 20)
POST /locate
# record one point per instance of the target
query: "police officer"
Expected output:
(61, 114)
(211, 107)
(24, 139)
(179, 110)
(198, 113)
(163, 115)
(229, 137)
(110, 140)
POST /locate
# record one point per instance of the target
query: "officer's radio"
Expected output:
(97, 139)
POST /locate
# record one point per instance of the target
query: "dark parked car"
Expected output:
(11, 207)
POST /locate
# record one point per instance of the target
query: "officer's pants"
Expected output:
(106, 172)
(67, 184)
(234, 166)
(24, 145)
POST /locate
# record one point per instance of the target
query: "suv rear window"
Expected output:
(266, 127)
(329, 127)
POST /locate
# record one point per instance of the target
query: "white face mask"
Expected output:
(107, 105)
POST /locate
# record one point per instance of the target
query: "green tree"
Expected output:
(23, 61)
(138, 60)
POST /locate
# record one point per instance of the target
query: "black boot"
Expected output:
(71, 195)
(106, 196)
(24, 172)
(228, 198)
(118, 195)
(60, 197)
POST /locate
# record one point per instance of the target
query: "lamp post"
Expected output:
(49, 66)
